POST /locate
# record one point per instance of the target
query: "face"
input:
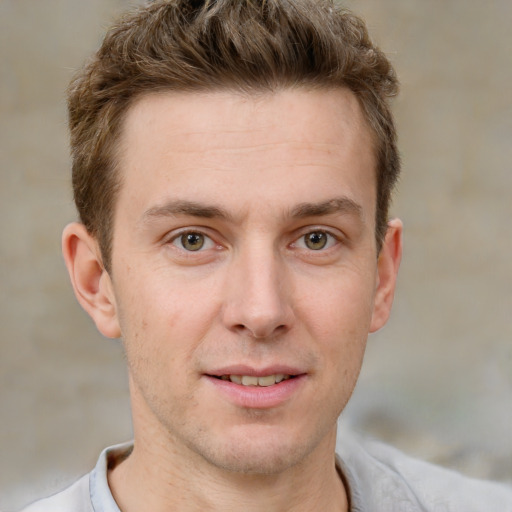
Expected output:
(245, 275)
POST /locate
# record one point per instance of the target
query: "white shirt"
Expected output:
(378, 479)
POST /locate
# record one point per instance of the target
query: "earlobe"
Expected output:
(91, 282)
(387, 268)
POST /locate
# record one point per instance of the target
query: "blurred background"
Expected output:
(437, 381)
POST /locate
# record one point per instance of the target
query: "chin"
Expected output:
(257, 452)
(255, 462)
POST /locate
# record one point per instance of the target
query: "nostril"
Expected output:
(260, 333)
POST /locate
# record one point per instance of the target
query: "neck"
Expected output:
(166, 476)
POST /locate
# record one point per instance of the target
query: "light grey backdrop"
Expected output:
(437, 381)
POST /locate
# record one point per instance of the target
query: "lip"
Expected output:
(257, 397)
(241, 369)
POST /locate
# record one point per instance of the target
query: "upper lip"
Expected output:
(242, 369)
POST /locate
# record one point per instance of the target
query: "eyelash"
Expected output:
(177, 240)
(331, 241)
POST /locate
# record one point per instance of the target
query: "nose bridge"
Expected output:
(257, 300)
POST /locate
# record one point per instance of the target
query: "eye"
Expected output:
(193, 241)
(316, 241)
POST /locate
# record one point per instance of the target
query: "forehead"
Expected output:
(299, 114)
(264, 144)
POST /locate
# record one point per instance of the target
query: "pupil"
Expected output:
(316, 241)
(192, 241)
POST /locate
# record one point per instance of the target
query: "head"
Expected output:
(235, 45)
(233, 162)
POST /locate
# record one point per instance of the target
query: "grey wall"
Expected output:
(437, 381)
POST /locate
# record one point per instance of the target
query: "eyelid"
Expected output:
(333, 233)
(332, 241)
(299, 234)
(174, 235)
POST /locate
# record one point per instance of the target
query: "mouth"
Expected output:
(258, 388)
(252, 380)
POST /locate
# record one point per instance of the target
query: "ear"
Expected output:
(91, 282)
(387, 271)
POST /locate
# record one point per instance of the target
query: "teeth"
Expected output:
(266, 381)
(250, 380)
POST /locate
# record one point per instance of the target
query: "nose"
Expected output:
(257, 295)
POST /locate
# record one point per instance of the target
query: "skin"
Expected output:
(252, 177)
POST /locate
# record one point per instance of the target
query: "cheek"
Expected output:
(338, 318)
(339, 311)
(163, 320)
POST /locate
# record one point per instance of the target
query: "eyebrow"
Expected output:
(181, 207)
(335, 205)
(194, 209)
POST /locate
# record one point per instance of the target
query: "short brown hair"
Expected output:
(242, 45)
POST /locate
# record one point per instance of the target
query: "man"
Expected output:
(233, 163)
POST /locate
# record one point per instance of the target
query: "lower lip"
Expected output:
(258, 397)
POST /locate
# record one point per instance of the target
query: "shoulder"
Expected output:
(73, 499)
(383, 477)
(89, 494)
